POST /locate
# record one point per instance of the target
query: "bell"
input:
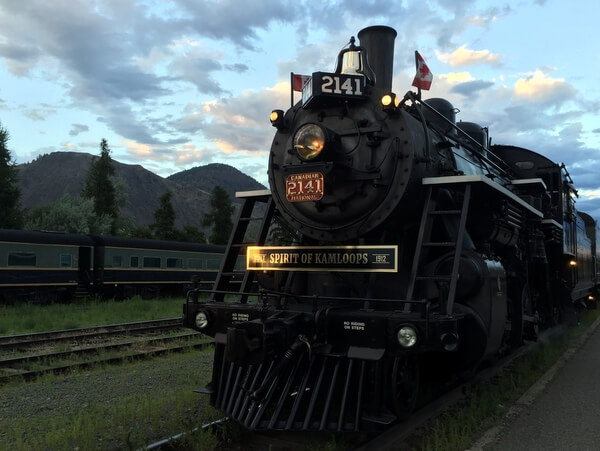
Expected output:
(351, 63)
(354, 61)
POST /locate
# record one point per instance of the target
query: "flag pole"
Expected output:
(417, 71)
(291, 90)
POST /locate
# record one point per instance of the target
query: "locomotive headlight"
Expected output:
(407, 336)
(572, 263)
(201, 320)
(309, 141)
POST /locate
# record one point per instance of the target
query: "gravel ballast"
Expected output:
(61, 396)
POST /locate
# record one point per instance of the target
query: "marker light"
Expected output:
(387, 100)
(276, 118)
(572, 263)
(309, 141)
(407, 336)
(390, 102)
(201, 320)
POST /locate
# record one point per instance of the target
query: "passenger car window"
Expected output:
(66, 260)
(151, 262)
(22, 259)
(174, 263)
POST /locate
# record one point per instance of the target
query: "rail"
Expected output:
(89, 347)
(8, 342)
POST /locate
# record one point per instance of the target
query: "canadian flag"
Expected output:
(423, 77)
(298, 81)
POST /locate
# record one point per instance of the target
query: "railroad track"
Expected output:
(171, 442)
(394, 438)
(24, 341)
(135, 345)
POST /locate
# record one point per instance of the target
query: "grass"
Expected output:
(137, 417)
(173, 410)
(27, 318)
(131, 422)
(131, 350)
(458, 428)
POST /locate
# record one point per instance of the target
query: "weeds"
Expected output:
(128, 420)
(28, 318)
(457, 429)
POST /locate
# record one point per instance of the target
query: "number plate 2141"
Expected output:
(304, 187)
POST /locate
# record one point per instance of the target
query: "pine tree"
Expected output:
(192, 234)
(69, 214)
(219, 216)
(164, 219)
(11, 216)
(99, 185)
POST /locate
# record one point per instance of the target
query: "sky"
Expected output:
(174, 84)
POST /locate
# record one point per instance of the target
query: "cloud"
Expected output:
(166, 76)
(456, 77)
(239, 68)
(471, 88)
(486, 18)
(39, 114)
(236, 124)
(229, 20)
(76, 129)
(196, 67)
(539, 88)
(139, 149)
(189, 153)
(19, 58)
(116, 57)
(68, 146)
(465, 57)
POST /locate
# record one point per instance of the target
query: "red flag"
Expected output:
(423, 77)
(298, 81)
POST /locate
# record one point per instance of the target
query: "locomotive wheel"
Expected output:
(405, 386)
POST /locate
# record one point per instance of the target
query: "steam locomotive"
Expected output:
(393, 242)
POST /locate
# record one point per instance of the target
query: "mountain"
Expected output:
(205, 178)
(49, 177)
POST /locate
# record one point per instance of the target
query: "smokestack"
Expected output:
(379, 43)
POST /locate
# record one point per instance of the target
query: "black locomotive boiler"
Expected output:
(393, 241)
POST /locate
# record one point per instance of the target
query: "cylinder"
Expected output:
(378, 41)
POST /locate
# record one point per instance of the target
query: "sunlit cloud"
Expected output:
(463, 56)
(540, 88)
(589, 193)
(138, 149)
(225, 146)
(189, 153)
(456, 77)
